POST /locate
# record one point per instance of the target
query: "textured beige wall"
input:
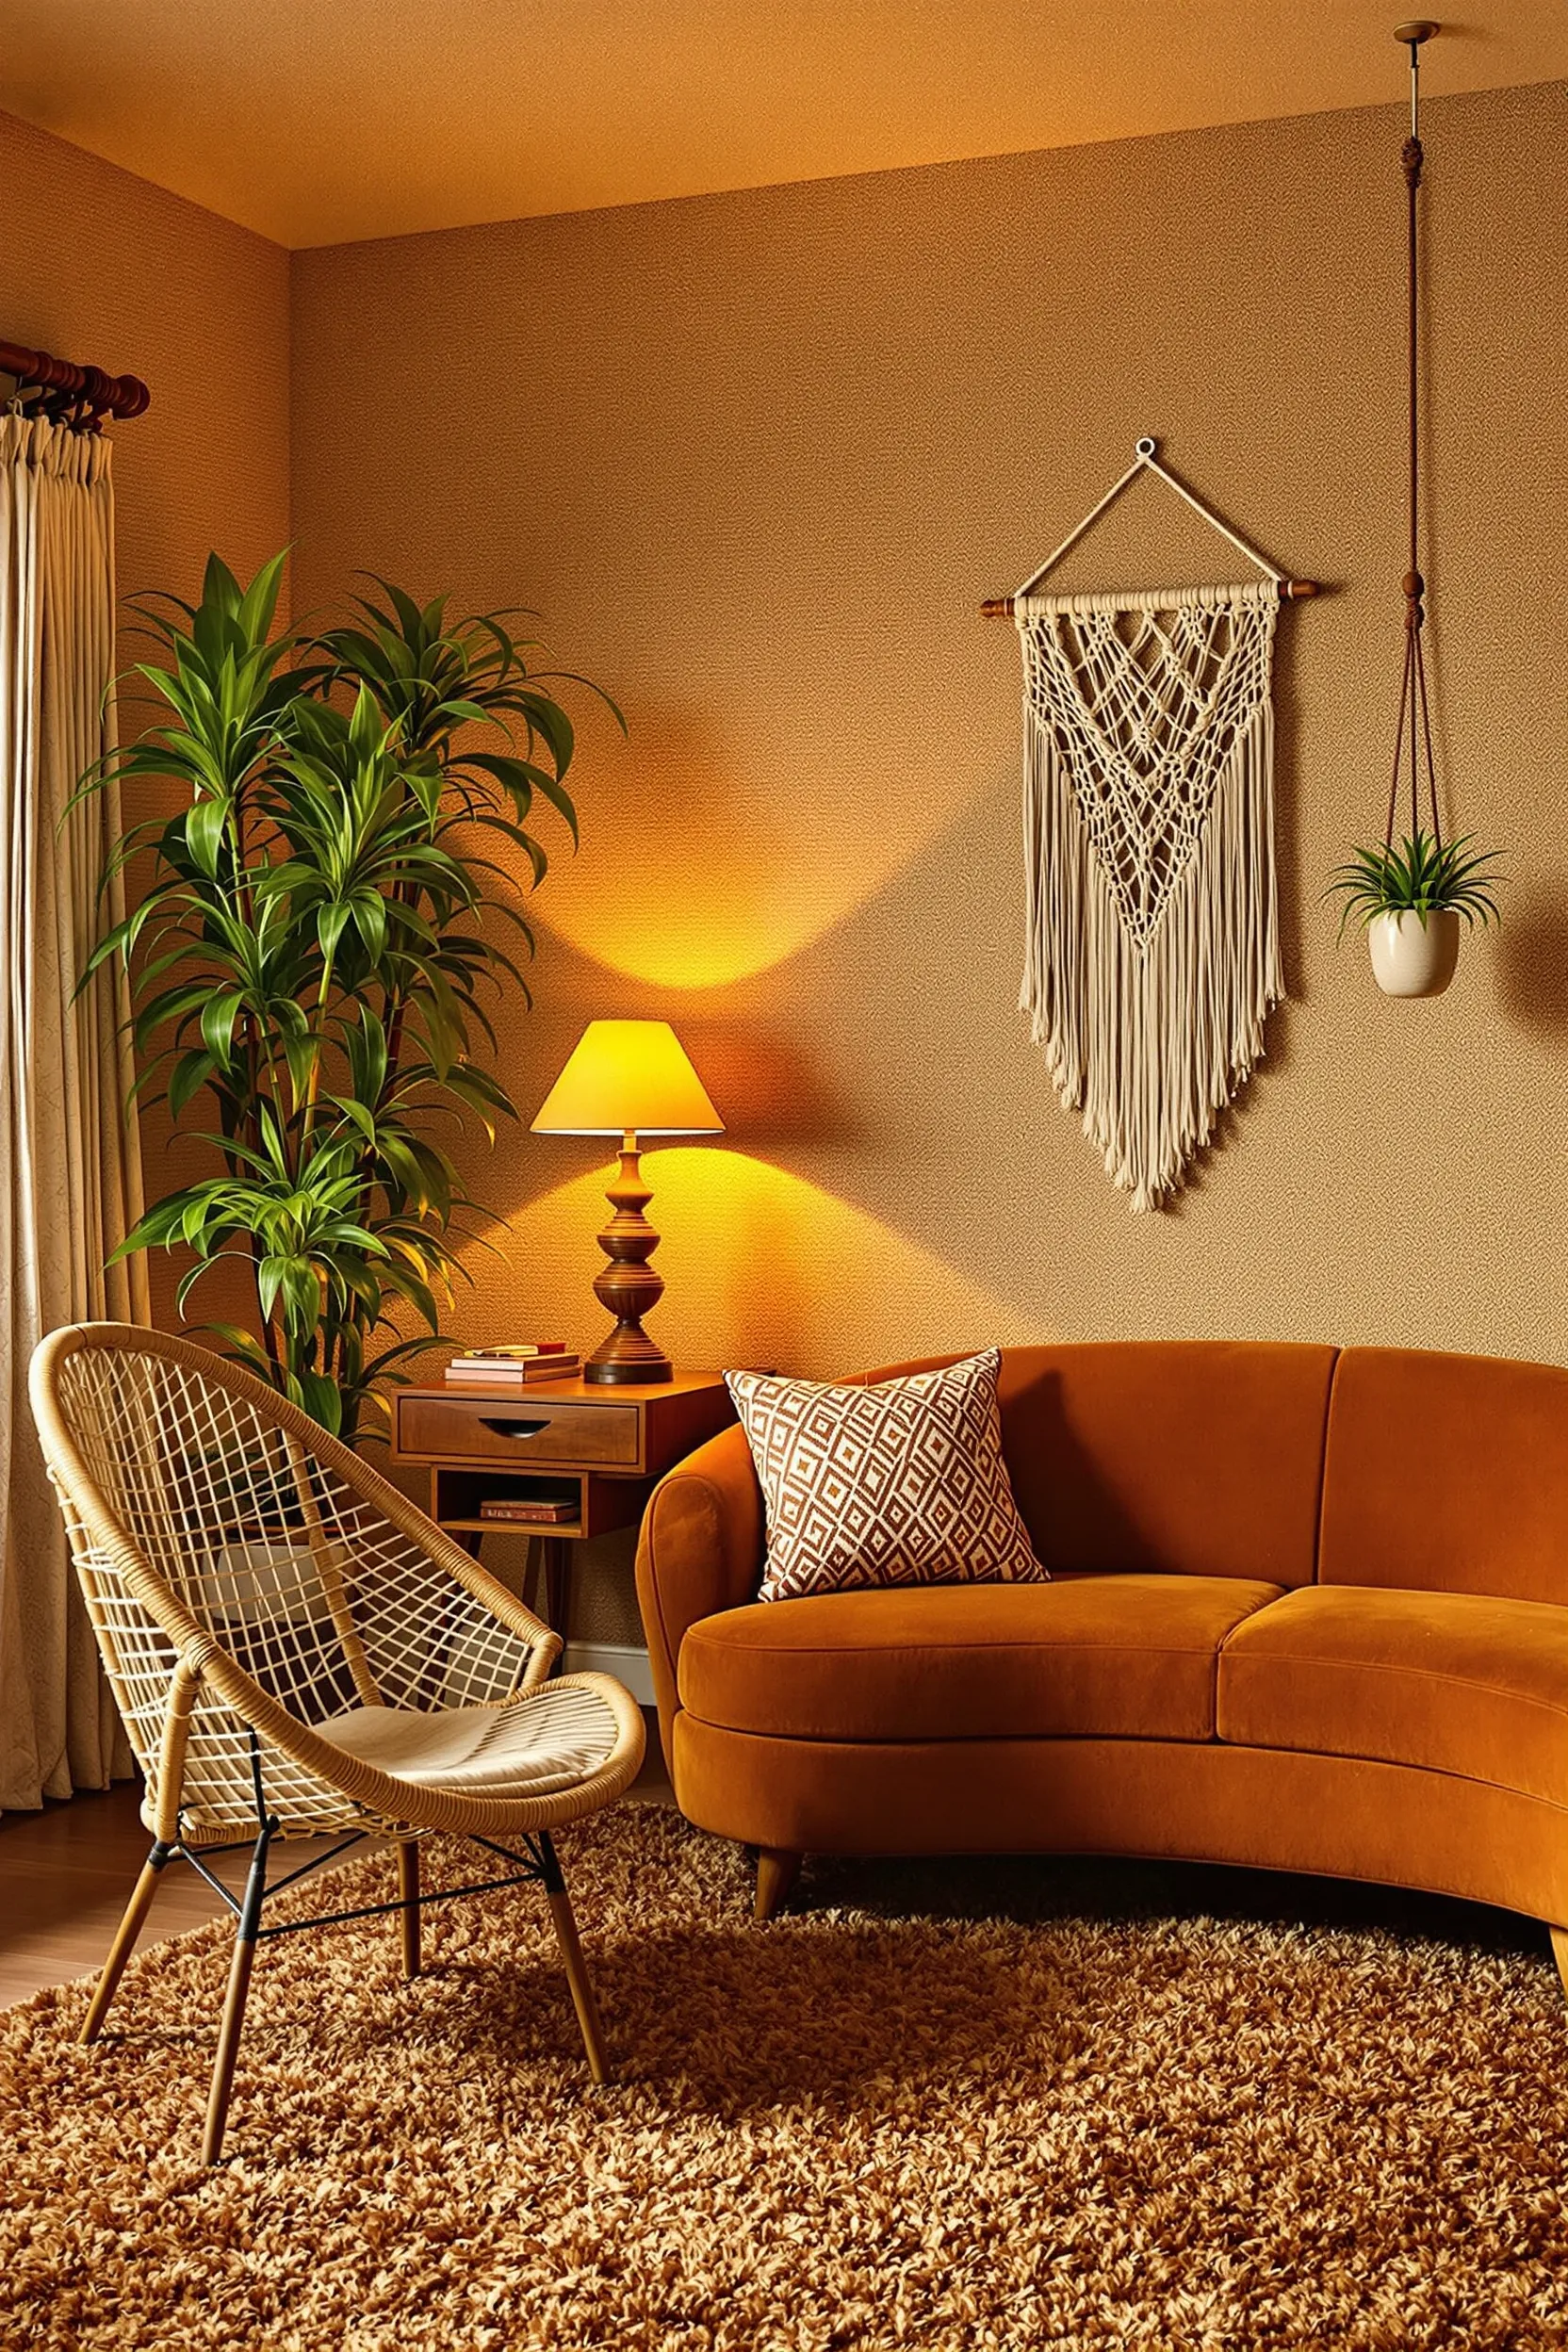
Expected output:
(97, 265)
(756, 457)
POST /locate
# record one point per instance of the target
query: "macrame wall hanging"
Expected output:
(1152, 944)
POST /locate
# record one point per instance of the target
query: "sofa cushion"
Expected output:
(898, 1483)
(1453, 1681)
(1448, 1474)
(1111, 1657)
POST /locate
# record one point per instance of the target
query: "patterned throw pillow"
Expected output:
(900, 1483)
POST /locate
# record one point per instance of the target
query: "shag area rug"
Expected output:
(961, 2104)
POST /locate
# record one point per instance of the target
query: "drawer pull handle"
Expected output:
(514, 1429)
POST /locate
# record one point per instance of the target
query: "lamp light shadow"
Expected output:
(774, 1090)
(1531, 949)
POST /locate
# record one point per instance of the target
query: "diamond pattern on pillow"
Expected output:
(900, 1483)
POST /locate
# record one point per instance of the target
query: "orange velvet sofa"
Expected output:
(1308, 1612)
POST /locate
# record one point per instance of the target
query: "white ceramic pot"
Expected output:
(1411, 958)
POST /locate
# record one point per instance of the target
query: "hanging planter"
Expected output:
(1414, 954)
(1413, 899)
(1412, 902)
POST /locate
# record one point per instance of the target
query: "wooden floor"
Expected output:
(66, 1873)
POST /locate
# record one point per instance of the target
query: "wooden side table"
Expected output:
(604, 1446)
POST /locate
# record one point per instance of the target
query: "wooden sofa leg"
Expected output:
(1559, 1953)
(777, 1869)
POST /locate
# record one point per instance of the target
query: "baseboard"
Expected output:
(627, 1664)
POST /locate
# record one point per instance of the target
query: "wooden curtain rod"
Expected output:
(66, 386)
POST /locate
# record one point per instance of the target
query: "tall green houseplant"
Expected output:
(310, 962)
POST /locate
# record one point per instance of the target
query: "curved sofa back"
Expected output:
(1448, 1474)
(1200, 1458)
(1217, 1458)
(1387, 1467)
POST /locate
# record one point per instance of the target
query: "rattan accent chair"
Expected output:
(297, 1650)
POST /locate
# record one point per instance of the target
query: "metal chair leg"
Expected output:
(124, 1941)
(408, 1895)
(246, 1928)
(571, 1955)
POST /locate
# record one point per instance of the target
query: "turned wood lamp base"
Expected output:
(628, 1285)
(627, 1078)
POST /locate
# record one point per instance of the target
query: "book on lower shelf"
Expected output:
(532, 1511)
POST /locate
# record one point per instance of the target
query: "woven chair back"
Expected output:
(209, 1517)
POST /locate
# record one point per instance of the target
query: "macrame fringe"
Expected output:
(1150, 1042)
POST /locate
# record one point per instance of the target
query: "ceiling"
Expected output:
(322, 121)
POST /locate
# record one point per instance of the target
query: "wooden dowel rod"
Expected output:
(1001, 608)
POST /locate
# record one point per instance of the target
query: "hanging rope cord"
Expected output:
(1415, 710)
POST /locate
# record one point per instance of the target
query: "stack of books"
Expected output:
(515, 1366)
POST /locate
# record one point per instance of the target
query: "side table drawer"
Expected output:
(516, 1431)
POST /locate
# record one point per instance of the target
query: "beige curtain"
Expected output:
(70, 1173)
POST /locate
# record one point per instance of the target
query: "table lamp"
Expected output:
(629, 1078)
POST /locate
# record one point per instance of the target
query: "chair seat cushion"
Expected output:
(1453, 1681)
(1128, 1657)
(550, 1741)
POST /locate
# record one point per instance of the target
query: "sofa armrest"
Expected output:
(700, 1550)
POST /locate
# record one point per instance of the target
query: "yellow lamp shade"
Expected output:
(629, 1076)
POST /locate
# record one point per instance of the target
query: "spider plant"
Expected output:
(310, 963)
(1423, 876)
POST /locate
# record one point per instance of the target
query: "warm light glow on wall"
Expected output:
(681, 920)
(738, 863)
(703, 918)
(764, 1269)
